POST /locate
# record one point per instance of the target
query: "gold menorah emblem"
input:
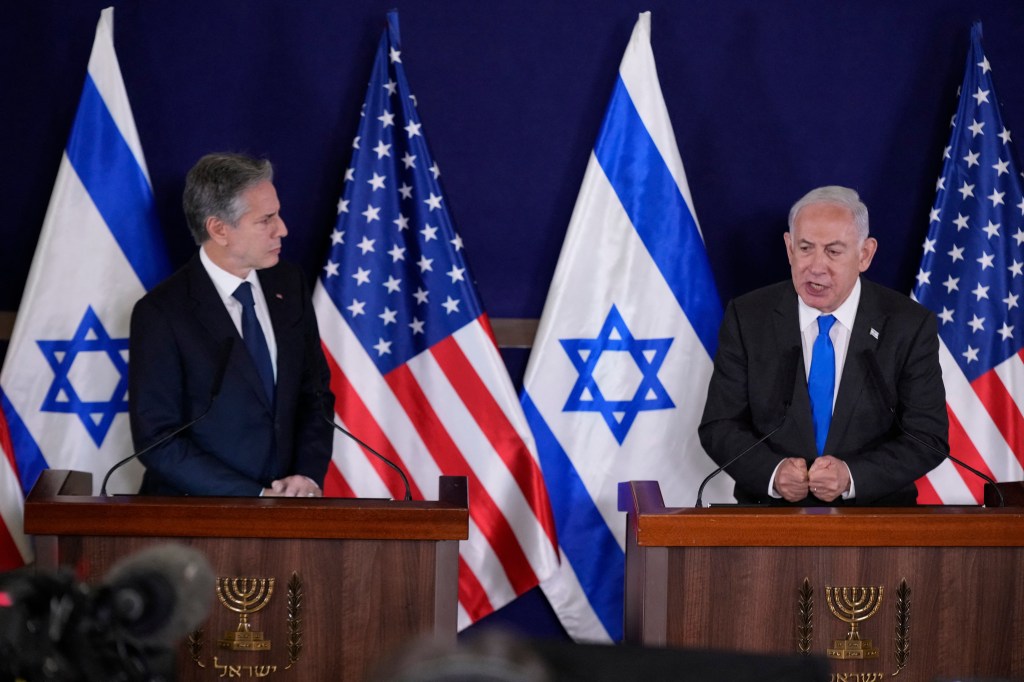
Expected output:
(244, 596)
(853, 605)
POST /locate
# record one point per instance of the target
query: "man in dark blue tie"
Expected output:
(806, 358)
(231, 340)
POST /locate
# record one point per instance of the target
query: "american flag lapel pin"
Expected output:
(874, 333)
(280, 297)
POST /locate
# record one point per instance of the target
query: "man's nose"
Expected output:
(819, 262)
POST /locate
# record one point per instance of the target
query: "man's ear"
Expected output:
(867, 252)
(217, 229)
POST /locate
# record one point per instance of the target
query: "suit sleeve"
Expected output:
(162, 400)
(895, 461)
(314, 435)
(732, 422)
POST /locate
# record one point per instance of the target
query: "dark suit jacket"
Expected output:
(179, 333)
(748, 394)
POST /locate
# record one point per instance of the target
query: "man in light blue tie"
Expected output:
(814, 363)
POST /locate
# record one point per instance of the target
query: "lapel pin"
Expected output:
(280, 297)
(874, 333)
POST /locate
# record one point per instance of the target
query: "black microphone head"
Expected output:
(160, 594)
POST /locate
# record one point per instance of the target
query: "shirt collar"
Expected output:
(224, 281)
(845, 314)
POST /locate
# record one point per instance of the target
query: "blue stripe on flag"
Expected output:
(117, 185)
(658, 211)
(27, 455)
(582, 532)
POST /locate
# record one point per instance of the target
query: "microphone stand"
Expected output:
(337, 427)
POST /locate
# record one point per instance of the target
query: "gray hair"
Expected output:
(214, 188)
(840, 196)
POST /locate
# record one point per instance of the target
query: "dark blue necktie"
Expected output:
(821, 381)
(255, 341)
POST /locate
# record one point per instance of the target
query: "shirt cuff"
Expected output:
(772, 492)
(853, 491)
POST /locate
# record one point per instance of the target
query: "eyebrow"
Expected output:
(837, 242)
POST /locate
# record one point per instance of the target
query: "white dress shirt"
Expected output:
(845, 316)
(226, 283)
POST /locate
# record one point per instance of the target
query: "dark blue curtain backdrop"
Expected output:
(768, 99)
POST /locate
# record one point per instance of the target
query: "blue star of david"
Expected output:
(90, 337)
(648, 354)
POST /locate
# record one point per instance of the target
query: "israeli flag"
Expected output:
(617, 379)
(64, 384)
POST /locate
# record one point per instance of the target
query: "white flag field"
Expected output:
(64, 384)
(618, 375)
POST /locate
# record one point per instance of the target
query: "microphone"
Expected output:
(218, 382)
(338, 427)
(787, 370)
(159, 594)
(53, 627)
(890, 403)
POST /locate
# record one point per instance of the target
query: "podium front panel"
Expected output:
(353, 580)
(341, 606)
(928, 593)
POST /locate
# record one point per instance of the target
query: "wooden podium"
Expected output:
(756, 579)
(354, 579)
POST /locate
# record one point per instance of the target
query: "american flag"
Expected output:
(972, 276)
(414, 363)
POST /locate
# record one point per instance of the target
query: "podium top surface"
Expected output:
(933, 526)
(61, 503)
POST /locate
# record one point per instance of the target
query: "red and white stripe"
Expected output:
(450, 410)
(14, 547)
(986, 430)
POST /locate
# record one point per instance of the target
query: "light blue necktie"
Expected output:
(255, 341)
(821, 381)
